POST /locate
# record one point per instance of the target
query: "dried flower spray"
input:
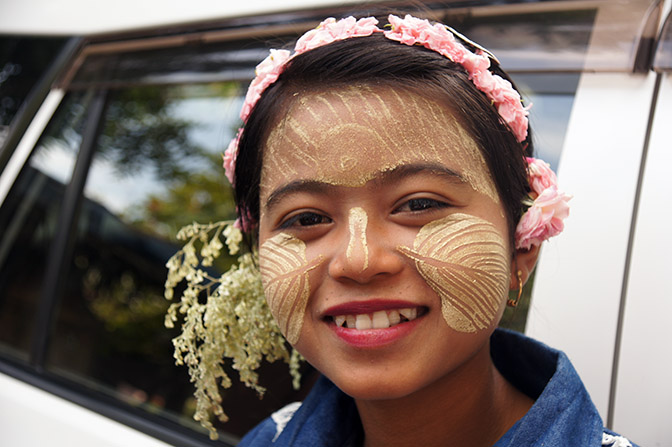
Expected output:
(223, 317)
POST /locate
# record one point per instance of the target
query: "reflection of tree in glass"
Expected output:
(66, 128)
(204, 197)
(132, 311)
(143, 131)
(140, 132)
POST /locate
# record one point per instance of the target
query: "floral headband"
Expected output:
(548, 206)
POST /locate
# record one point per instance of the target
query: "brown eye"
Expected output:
(305, 220)
(421, 204)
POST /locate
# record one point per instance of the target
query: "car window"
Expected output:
(156, 167)
(28, 221)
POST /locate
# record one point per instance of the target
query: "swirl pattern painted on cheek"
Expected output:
(464, 260)
(284, 274)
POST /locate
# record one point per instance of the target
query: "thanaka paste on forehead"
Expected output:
(464, 260)
(294, 142)
(358, 249)
(284, 274)
(298, 128)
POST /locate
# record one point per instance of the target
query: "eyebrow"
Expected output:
(383, 177)
(310, 186)
(403, 171)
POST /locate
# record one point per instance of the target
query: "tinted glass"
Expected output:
(663, 58)
(534, 41)
(23, 60)
(156, 168)
(28, 220)
(552, 97)
(191, 62)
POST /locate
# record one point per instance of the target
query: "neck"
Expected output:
(474, 406)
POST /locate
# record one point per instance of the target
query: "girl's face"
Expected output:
(383, 242)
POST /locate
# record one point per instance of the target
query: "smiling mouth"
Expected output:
(381, 319)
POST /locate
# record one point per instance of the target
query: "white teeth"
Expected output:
(394, 317)
(410, 313)
(363, 322)
(380, 320)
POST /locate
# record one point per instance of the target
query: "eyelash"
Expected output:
(423, 204)
(426, 204)
(296, 219)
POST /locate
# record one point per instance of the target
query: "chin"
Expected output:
(372, 387)
(373, 393)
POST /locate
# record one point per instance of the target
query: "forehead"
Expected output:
(348, 136)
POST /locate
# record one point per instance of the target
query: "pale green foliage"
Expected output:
(231, 319)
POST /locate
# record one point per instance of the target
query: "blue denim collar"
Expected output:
(563, 413)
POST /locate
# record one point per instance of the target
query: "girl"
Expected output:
(386, 174)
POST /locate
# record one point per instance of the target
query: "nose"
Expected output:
(363, 254)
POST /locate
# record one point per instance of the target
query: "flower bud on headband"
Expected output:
(548, 205)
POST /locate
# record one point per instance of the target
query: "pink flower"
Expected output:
(485, 82)
(315, 37)
(411, 30)
(331, 30)
(267, 73)
(475, 63)
(515, 116)
(540, 176)
(243, 223)
(544, 219)
(404, 30)
(503, 91)
(366, 27)
(230, 156)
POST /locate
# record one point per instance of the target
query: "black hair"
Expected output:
(380, 62)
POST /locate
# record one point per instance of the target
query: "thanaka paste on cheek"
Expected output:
(349, 136)
(358, 249)
(284, 274)
(464, 260)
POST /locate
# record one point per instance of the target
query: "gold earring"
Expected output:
(514, 303)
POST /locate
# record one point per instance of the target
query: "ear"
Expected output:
(523, 260)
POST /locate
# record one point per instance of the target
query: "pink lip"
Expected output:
(366, 307)
(371, 338)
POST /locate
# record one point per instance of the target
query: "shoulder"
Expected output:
(267, 432)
